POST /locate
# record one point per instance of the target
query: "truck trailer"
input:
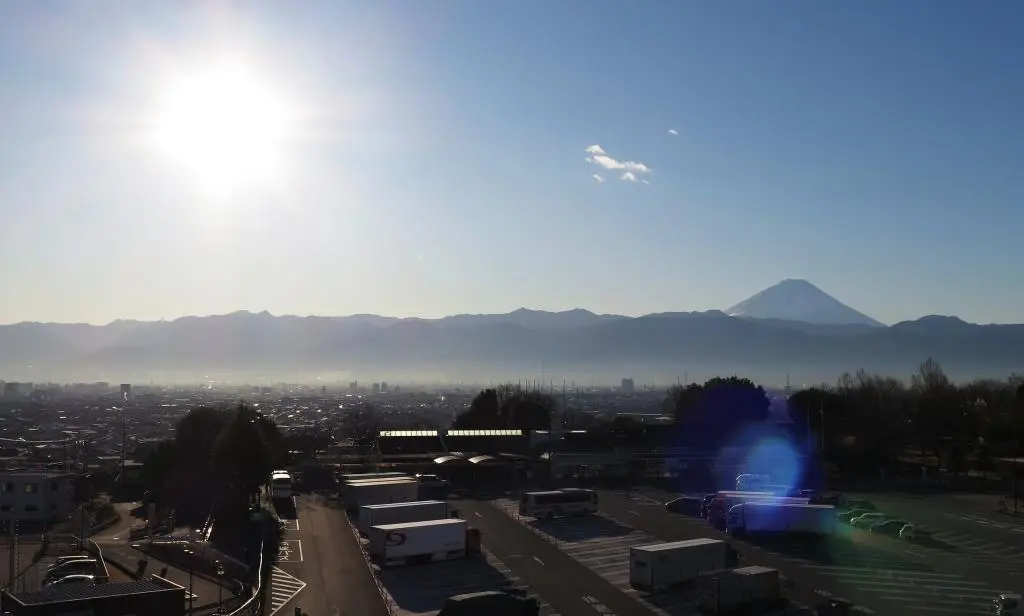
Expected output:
(365, 476)
(751, 590)
(355, 495)
(418, 542)
(660, 566)
(397, 513)
(719, 507)
(779, 518)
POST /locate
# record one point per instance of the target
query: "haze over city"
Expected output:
(429, 159)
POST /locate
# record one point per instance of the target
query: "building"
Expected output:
(126, 392)
(35, 496)
(153, 597)
(627, 386)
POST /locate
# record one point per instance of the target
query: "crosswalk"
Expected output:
(422, 590)
(283, 588)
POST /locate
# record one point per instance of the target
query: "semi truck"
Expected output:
(357, 494)
(426, 541)
(397, 513)
(748, 590)
(724, 501)
(660, 566)
(759, 517)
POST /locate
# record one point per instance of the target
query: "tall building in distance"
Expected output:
(126, 392)
(627, 386)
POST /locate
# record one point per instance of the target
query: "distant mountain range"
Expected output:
(792, 328)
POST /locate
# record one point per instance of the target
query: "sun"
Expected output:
(223, 125)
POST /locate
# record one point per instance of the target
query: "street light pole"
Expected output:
(191, 596)
(220, 588)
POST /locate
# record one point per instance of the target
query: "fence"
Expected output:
(254, 605)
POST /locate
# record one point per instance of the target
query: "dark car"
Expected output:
(686, 505)
(889, 527)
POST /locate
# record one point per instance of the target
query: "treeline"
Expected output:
(865, 422)
(874, 421)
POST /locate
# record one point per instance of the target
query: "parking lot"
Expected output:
(602, 545)
(885, 573)
(422, 590)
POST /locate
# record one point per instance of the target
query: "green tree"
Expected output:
(196, 434)
(246, 451)
(159, 467)
(718, 408)
(508, 406)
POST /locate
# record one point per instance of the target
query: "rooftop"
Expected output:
(79, 592)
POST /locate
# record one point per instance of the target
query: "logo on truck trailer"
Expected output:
(394, 537)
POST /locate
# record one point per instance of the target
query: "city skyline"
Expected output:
(427, 160)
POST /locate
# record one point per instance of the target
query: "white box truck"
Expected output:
(376, 493)
(418, 542)
(743, 589)
(365, 476)
(660, 566)
(397, 513)
(785, 518)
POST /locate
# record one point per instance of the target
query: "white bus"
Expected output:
(280, 484)
(555, 503)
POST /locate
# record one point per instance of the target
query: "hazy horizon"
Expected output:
(427, 159)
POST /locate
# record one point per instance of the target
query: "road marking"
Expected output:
(283, 588)
(477, 514)
(539, 561)
(290, 551)
(292, 525)
(634, 513)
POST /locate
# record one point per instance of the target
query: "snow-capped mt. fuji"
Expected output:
(799, 300)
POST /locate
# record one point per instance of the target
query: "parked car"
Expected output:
(685, 505)
(867, 520)
(82, 566)
(913, 533)
(66, 559)
(859, 503)
(846, 516)
(67, 580)
(889, 527)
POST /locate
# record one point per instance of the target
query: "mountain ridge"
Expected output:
(665, 343)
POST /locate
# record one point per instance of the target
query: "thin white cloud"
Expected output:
(673, 132)
(598, 156)
(645, 182)
(600, 179)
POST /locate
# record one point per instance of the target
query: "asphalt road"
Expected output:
(569, 587)
(881, 573)
(322, 570)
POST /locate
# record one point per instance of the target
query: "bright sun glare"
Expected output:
(224, 126)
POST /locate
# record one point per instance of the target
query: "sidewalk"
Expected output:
(206, 590)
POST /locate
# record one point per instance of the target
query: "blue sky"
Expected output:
(434, 157)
